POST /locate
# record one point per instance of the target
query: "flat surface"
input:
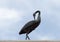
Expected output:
(28, 41)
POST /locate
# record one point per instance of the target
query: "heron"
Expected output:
(31, 25)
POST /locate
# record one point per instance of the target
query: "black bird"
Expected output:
(31, 25)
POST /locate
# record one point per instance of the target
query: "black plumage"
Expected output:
(31, 25)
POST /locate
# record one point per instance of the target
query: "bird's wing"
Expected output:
(28, 24)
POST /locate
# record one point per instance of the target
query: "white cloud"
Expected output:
(9, 14)
(46, 38)
(56, 1)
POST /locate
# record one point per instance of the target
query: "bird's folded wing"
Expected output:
(31, 23)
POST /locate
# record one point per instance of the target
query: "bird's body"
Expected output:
(30, 26)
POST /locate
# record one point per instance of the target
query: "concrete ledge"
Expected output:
(26, 41)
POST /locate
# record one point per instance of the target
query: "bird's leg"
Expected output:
(27, 37)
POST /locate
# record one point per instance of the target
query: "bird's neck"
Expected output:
(38, 18)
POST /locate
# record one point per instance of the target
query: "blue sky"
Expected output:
(15, 13)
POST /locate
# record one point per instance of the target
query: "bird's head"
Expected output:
(36, 13)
